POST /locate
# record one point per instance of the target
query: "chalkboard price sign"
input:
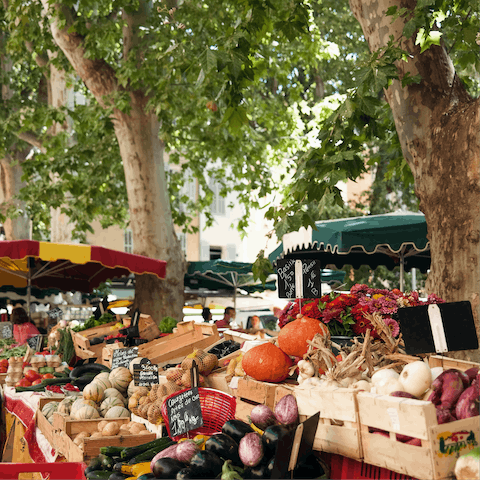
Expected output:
(123, 356)
(35, 343)
(299, 278)
(145, 373)
(184, 412)
(55, 313)
(6, 330)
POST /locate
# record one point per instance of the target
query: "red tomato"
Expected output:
(339, 357)
(36, 382)
(4, 362)
(32, 375)
(48, 375)
(3, 369)
(23, 383)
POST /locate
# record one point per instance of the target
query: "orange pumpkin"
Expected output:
(293, 337)
(266, 363)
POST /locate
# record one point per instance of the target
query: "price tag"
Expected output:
(55, 313)
(299, 278)
(123, 356)
(6, 330)
(145, 373)
(184, 412)
(35, 343)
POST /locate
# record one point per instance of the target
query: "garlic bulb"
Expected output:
(306, 368)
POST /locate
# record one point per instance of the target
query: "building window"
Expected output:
(215, 253)
(183, 241)
(218, 204)
(128, 241)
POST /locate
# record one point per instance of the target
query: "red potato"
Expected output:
(467, 405)
(472, 373)
(444, 415)
(447, 388)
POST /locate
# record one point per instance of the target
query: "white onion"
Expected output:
(383, 374)
(362, 385)
(389, 385)
(416, 377)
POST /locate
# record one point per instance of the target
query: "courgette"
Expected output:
(60, 375)
(55, 381)
(146, 476)
(112, 451)
(89, 367)
(34, 388)
(98, 475)
(147, 455)
(118, 476)
(159, 443)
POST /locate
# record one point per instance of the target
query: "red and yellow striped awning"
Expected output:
(69, 267)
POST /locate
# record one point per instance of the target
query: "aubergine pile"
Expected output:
(240, 451)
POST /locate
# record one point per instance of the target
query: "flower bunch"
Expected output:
(344, 313)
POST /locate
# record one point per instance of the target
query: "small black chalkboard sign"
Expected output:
(123, 356)
(145, 373)
(439, 328)
(6, 330)
(35, 343)
(55, 313)
(184, 412)
(299, 278)
(101, 309)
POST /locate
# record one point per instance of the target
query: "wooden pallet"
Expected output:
(440, 444)
(338, 427)
(176, 347)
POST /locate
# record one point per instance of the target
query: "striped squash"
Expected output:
(117, 412)
(110, 402)
(120, 378)
(94, 391)
(86, 412)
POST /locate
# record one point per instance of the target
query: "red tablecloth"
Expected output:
(24, 407)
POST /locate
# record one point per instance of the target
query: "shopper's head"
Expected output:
(230, 312)
(206, 314)
(19, 316)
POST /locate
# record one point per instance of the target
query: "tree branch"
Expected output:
(32, 139)
(130, 29)
(42, 60)
(98, 76)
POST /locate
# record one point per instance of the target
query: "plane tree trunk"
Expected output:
(438, 124)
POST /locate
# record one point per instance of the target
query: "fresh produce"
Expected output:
(250, 449)
(130, 452)
(447, 388)
(467, 404)
(225, 348)
(266, 363)
(93, 368)
(167, 468)
(263, 470)
(286, 410)
(384, 374)
(388, 385)
(467, 466)
(471, 374)
(262, 416)
(207, 463)
(236, 429)
(167, 325)
(444, 415)
(272, 436)
(93, 322)
(416, 378)
(400, 393)
(294, 336)
(225, 447)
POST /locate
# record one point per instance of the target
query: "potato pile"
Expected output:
(111, 429)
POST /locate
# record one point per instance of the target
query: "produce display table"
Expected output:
(27, 438)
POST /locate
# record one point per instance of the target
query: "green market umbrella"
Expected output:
(222, 274)
(392, 239)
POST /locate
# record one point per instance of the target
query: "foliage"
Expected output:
(167, 325)
(93, 322)
(344, 313)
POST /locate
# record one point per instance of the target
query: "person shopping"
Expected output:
(23, 328)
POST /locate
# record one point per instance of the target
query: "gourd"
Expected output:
(86, 412)
(65, 405)
(117, 412)
(103, 382)
(113, 392)
(49, 409)
(79, 403)
(293, 337)
(266, 363)
(109, 403)
(94, 391)
(120, 378)
(102, 375)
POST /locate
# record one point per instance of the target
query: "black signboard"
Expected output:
(123, 356)
(145, 373)
(55, 313)
(184, 412)
(439, 328)
(299, 278)
(101, 309)
(6, 330)
(35, 343)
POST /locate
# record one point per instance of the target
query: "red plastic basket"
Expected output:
(217, 408)
(344, 468)
(55, 471)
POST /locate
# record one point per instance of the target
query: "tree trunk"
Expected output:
(150, 214)
(438, 124)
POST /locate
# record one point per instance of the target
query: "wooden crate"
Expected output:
(107, 353)
(43, 424)
(176, 347)
(147, 327)
(3, 376)
(447, 362)
(259, 392)
(338, 427)
(63, 441)
(158, 430)
(81, 340)
(440, 444)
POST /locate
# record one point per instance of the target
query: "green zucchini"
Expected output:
(112, 451)
(60, 374)
(159, 443)
(89, 367)
(33, 388)
(95, 464)
(118, 476)
(147, 455)
(55, 381)
(98, 475)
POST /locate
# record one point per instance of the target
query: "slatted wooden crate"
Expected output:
(176, 347)
(67, 430)
(338, 427)
(440, 444)
(258, 392)
(43, 424)
(147, 327)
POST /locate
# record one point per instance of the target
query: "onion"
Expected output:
(362, 385)
(382, 374)
(416, 377)
(389, 385)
